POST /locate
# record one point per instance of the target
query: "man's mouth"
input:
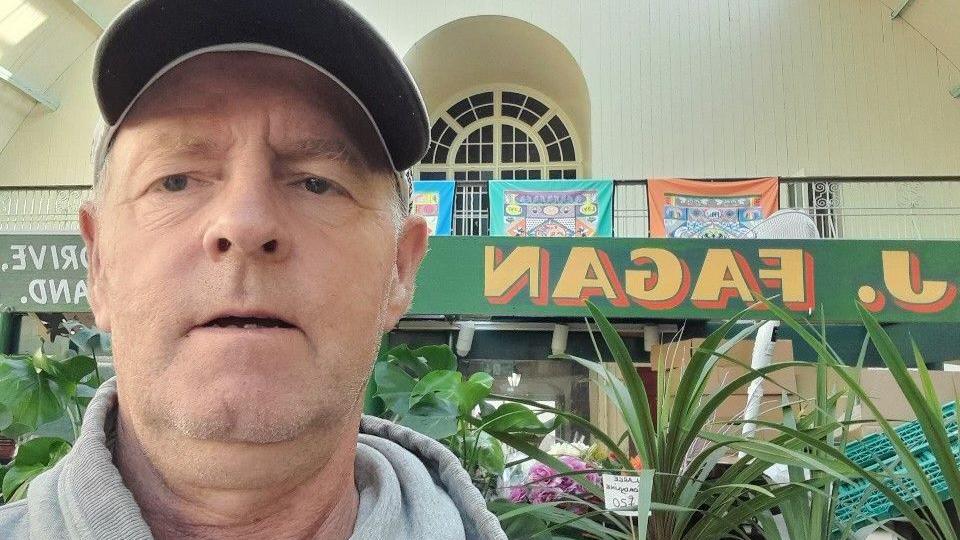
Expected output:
(247, 323)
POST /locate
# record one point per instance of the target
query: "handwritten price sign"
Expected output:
(628, 495)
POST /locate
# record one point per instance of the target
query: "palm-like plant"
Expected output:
(693, 497)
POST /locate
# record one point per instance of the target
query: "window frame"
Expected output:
(495, 169)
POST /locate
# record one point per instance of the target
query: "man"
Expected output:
(249, 243)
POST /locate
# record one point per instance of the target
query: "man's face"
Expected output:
(245, 254)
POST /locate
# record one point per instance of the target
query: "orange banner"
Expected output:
(682, 208)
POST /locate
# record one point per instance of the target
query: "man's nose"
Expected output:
(247, 222)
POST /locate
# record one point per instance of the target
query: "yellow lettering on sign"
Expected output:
(725, 274)
(901, 276)
(588, 272)
(792, 274)
(664, 286)
(504, 278)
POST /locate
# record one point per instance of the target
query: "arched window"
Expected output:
(501, 134)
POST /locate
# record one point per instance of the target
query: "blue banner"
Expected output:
(433, 199)
(542, 208)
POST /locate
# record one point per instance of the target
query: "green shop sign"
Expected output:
(689, 279)
(644, 278)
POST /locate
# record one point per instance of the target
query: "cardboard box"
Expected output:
(883, 390)
(673, 357)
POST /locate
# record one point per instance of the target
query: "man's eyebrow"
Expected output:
(321, 148)
(177, 144)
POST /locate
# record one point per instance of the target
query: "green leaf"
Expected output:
(642, 428)
(473, 390)
(433, 416)
(6, 417)
(41, 451)
(33, 457)
(84, 391)
(489, 452)
(87, 340)
(394, 386)
(514, 417)
(437, 357)
(414, 365)
(76, 368)
(32, 395)
(442, 383)
(16, 477)
(524, 525)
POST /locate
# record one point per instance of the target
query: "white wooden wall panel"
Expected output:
(727, 88)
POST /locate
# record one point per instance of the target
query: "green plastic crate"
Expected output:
(860, 503)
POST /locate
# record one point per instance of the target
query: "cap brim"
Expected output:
(150, 35)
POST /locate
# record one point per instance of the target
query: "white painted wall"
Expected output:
(733, 88)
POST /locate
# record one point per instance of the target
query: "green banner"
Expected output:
(43, 273)
(689, 279)
(643, 278)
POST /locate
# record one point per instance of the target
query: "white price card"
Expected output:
(621, 494)
(626, 494)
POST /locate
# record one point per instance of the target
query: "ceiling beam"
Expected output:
(8, 77)
(903, 5)
(83, 9)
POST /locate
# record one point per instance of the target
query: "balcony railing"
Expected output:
(854, 208)
(924, 208)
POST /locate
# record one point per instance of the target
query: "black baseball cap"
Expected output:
(150, 37)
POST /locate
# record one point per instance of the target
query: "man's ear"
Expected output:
(411, 247)
(95, 283)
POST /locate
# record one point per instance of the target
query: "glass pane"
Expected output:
(567, 146)
(507, 151)
(547, 135)
(467, 118)
(486, 175)
(486, 153)
(558, 127)
(513, 97)
(521, 153)
(433, 175)
(506, 133)
(534, 174)
(448, 136)
(459, 175)
(570, 174)
(553, 151)
(534, 153)
(459, 108)
(473, 154)
(485, 111)
(429, 157)
(482, 98)
(506, 175)
(529, 117)
(536, 106)
(486, 133)
(511, 110)
(461, 155)
(438, 128)
(556, 174)
(441, 155)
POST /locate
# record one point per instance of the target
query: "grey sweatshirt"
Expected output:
(410, 486)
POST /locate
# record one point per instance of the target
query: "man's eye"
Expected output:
(318, 185)
(177, 182)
